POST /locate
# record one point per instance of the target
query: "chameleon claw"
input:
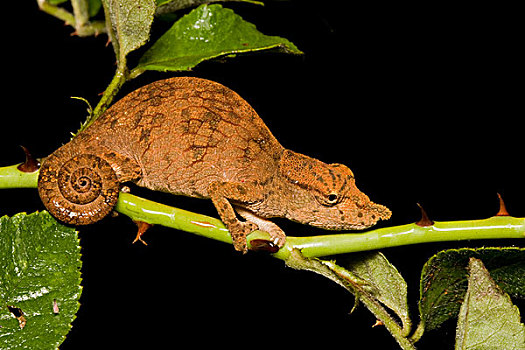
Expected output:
(142, 228)
(262, 245)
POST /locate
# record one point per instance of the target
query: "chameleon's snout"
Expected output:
(377, 212)
(363, 213)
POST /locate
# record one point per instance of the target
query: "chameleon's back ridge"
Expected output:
(194, 137)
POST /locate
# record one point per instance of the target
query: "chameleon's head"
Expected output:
(325, 195)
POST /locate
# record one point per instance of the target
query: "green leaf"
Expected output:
(39, 281)
(130, 24)
(208, 31)
(94, 7)
(487, 318)
(369, 292)
(444, 280)
(382, 281)
(167, 6)
(191, 3)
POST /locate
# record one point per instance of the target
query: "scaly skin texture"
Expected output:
(194, 137)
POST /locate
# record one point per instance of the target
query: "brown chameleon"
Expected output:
(194, 137)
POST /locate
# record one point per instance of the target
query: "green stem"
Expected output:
(78, 20)
(57, 12)
(492, 228)
(418, 333)
(140, 209)
(11, 177)
(120, 77)
(81, 13)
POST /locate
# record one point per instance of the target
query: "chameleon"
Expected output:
(195, 137)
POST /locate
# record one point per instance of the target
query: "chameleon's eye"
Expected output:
(332, 198)
(328, 200)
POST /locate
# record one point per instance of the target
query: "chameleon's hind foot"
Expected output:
(277, 236)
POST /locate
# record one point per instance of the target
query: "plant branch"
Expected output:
(79, 19)
(141, 209)
(12, 177)
(120, 77)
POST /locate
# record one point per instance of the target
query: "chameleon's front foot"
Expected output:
(239, 231)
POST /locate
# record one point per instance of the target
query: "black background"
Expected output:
(422, 102)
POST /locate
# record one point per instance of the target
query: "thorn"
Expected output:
(425, 220)
(108, 42)
(30, 165)
(75, 33)
(502, 209)
(356, 303)
(378, 323)
(142, 228)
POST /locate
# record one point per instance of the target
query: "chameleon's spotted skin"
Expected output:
(195, 137)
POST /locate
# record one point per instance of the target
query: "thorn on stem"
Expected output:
(502, 209)
(142, 228)
(425, 220)
(378, 323)
(356, 303)
(30, 165)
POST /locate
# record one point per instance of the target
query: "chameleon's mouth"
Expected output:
(340, 226)
(355, 220)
